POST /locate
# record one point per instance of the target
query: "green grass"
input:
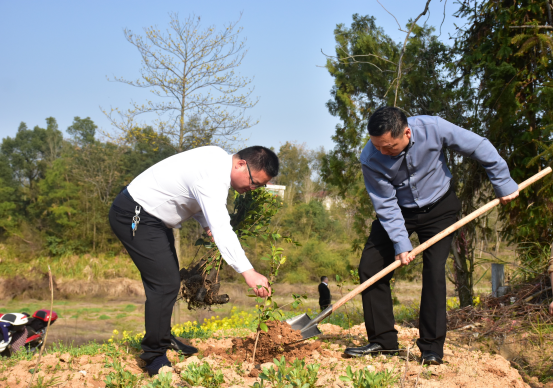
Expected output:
(71, 267)
(404, 313)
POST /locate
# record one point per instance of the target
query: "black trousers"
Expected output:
(153, 251)
(379, 253)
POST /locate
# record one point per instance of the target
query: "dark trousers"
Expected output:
(153, 251)
(379, 253)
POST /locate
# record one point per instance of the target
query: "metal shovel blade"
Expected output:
(299, 322)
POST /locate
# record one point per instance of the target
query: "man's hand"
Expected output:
(551, 308)
(404, 258)
(208, 231)
(508, 198)
(253, 279)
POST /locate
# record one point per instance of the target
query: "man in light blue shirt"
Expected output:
(409, 183)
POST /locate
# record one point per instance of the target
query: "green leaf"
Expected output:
(199, 241)
(263, 327)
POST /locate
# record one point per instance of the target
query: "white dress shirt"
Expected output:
(194, 184)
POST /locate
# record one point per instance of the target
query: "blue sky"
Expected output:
(56, 56)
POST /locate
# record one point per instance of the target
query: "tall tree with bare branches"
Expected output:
(191, 71)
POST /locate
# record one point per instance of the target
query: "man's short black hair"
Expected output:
(260, 158)
(387, 119)
(323, 278)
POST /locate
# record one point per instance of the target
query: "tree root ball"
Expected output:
(200, 288)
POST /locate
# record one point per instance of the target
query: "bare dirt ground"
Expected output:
(463, 367)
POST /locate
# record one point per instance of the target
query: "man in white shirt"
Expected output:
(193, 184)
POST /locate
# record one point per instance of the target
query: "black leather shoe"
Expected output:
(156, 364)
(180, 347)
(431, 358)
(371, 348)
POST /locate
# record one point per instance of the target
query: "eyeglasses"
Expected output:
(254, 185)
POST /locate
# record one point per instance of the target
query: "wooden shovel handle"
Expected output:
(463, 221)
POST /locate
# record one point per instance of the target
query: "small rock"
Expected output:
(247, 367)
(83, 372)
(193, 359)
(370, 368)
(65, 357)
(180, 367)
(267, 365)
(166, 369)
(183, 365)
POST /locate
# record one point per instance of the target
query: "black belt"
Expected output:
(427, 208)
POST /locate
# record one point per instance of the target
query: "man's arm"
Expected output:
(212, 201)
(479, 148)
(383, 197)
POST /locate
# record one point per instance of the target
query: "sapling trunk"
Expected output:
(255, 345)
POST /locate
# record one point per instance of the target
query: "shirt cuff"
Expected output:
(508, 188)
(403, 246)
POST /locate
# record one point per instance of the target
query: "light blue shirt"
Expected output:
(419, 175)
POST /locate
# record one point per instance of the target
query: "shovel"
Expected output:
(308, 326)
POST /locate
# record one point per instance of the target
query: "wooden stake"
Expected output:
(47, 326)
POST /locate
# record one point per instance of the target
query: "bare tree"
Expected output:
(191, 71)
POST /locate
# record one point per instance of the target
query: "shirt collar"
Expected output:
(411, 143)
(227, 176)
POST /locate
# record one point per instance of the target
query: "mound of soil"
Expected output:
(279, 341)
